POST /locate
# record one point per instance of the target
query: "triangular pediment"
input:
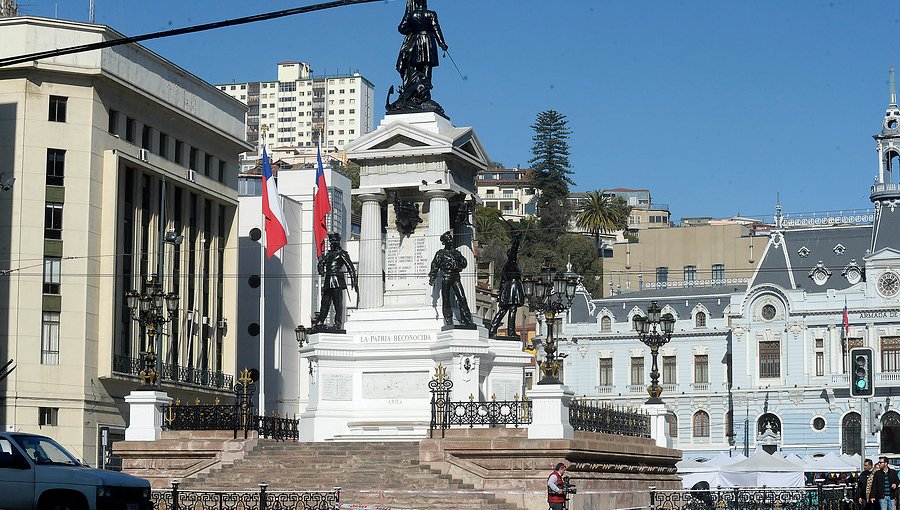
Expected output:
(883, 255)
(400, 142)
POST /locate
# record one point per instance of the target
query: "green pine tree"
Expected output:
(551, 169)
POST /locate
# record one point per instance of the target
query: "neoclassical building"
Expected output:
(765, 363)
(125, 169)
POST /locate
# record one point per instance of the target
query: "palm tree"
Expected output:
(602, 214)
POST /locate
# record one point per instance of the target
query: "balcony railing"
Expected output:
(696, 283)
(700, 386)
(603, 390)
(177, 373)
(636, 388)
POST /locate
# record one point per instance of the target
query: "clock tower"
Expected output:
(884, 259)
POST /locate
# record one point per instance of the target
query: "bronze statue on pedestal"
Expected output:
(512, 293)
(448, 262)
(331, 267)
(418, 56)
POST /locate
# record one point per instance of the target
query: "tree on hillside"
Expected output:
(492, 232)
(551, 168)
(602, 214)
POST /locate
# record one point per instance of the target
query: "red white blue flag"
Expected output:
(321, 206)
(846, 319)
(275, 226)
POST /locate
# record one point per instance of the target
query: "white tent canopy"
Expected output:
(763, 469)
(830, 463)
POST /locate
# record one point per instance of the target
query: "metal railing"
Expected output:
(494, 413)
(262, 499)
(675, 284)
(178, 373)
(820, 497)
(594, 415)
(233, 417)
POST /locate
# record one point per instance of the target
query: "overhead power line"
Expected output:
(8, 61)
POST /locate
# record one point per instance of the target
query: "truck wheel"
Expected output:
(60, 503)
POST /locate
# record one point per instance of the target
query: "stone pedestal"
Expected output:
(145, 415)
(550, 412)
(659, 429)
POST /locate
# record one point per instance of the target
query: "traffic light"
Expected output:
(875, 410)
(861, 376)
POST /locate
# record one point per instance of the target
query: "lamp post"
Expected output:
(152, 309)
(654, 331)
(550, 294)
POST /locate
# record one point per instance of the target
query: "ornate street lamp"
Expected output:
(654, 331)
(551, 293)
(151, 310)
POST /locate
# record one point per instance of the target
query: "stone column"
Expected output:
(659, 429)
(371, 256)
(145, 414)
(438, 219)
(550, 412)
(465, 240)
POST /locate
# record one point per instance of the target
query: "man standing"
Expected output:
(888, 484)
(332, 266)
(865, 487)
(556, 493)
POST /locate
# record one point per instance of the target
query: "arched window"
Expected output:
(700, 319)
(851, 429)
(890, 432)
(672, 421)
(605, 324)
(701, 424)
(767, 421)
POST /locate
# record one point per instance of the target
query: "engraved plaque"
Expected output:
(395, 385)
(336, 386)
(507, 389)
(406, 263)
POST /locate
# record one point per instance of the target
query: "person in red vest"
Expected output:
(556, 493)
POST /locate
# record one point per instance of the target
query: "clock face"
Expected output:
(889, 284)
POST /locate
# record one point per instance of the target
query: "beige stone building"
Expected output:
(700, 256)
(97, 141)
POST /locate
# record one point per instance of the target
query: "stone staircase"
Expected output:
(360, 469)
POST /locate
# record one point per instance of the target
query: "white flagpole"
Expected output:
(262, 298)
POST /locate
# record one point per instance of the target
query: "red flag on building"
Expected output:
(846, 319)
(321, 206)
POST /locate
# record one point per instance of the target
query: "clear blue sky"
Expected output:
(716, 106)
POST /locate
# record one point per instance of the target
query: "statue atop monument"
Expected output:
(331, 267)
(449, 262)
(418, 56)
(512, 293)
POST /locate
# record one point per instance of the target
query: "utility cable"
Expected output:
(8, 61)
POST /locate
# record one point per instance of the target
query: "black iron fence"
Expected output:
(601, 416)
(263, 499)
(177, 373)
(820, 497)
(493, 413)
(235, 417)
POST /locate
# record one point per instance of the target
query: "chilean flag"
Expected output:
(321, 206)
(275, 226)
(846, 319)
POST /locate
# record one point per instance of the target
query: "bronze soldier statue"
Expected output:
(331, 266)
(418, 56)
(449, 263)
(512, 293)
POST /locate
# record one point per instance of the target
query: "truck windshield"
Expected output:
(44, 450)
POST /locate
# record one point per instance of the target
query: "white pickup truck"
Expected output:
(36, 473)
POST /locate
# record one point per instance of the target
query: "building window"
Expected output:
(164, 145)
(56, 165)
(890, 354)
(52, 267)
(130, 125)
(192, 160)
(335, 219)
(48, 416)
(672, 421)
(701, 424)
(58, 108)
(851, 432)
(53, 220)
(700, 319)
(770, 359)
(637, 370)
(690, 273)
(113, 126)
(820, 364)
(179, 152)
(701, 369)
(769, 312)
(50, 339)
(605, 324)
(606, 372)
(668, 370)
(718, 272)
(207, 164)
(145, 138)
(662, 274)
(221, 171)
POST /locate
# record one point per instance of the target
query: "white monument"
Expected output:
(371, 382)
